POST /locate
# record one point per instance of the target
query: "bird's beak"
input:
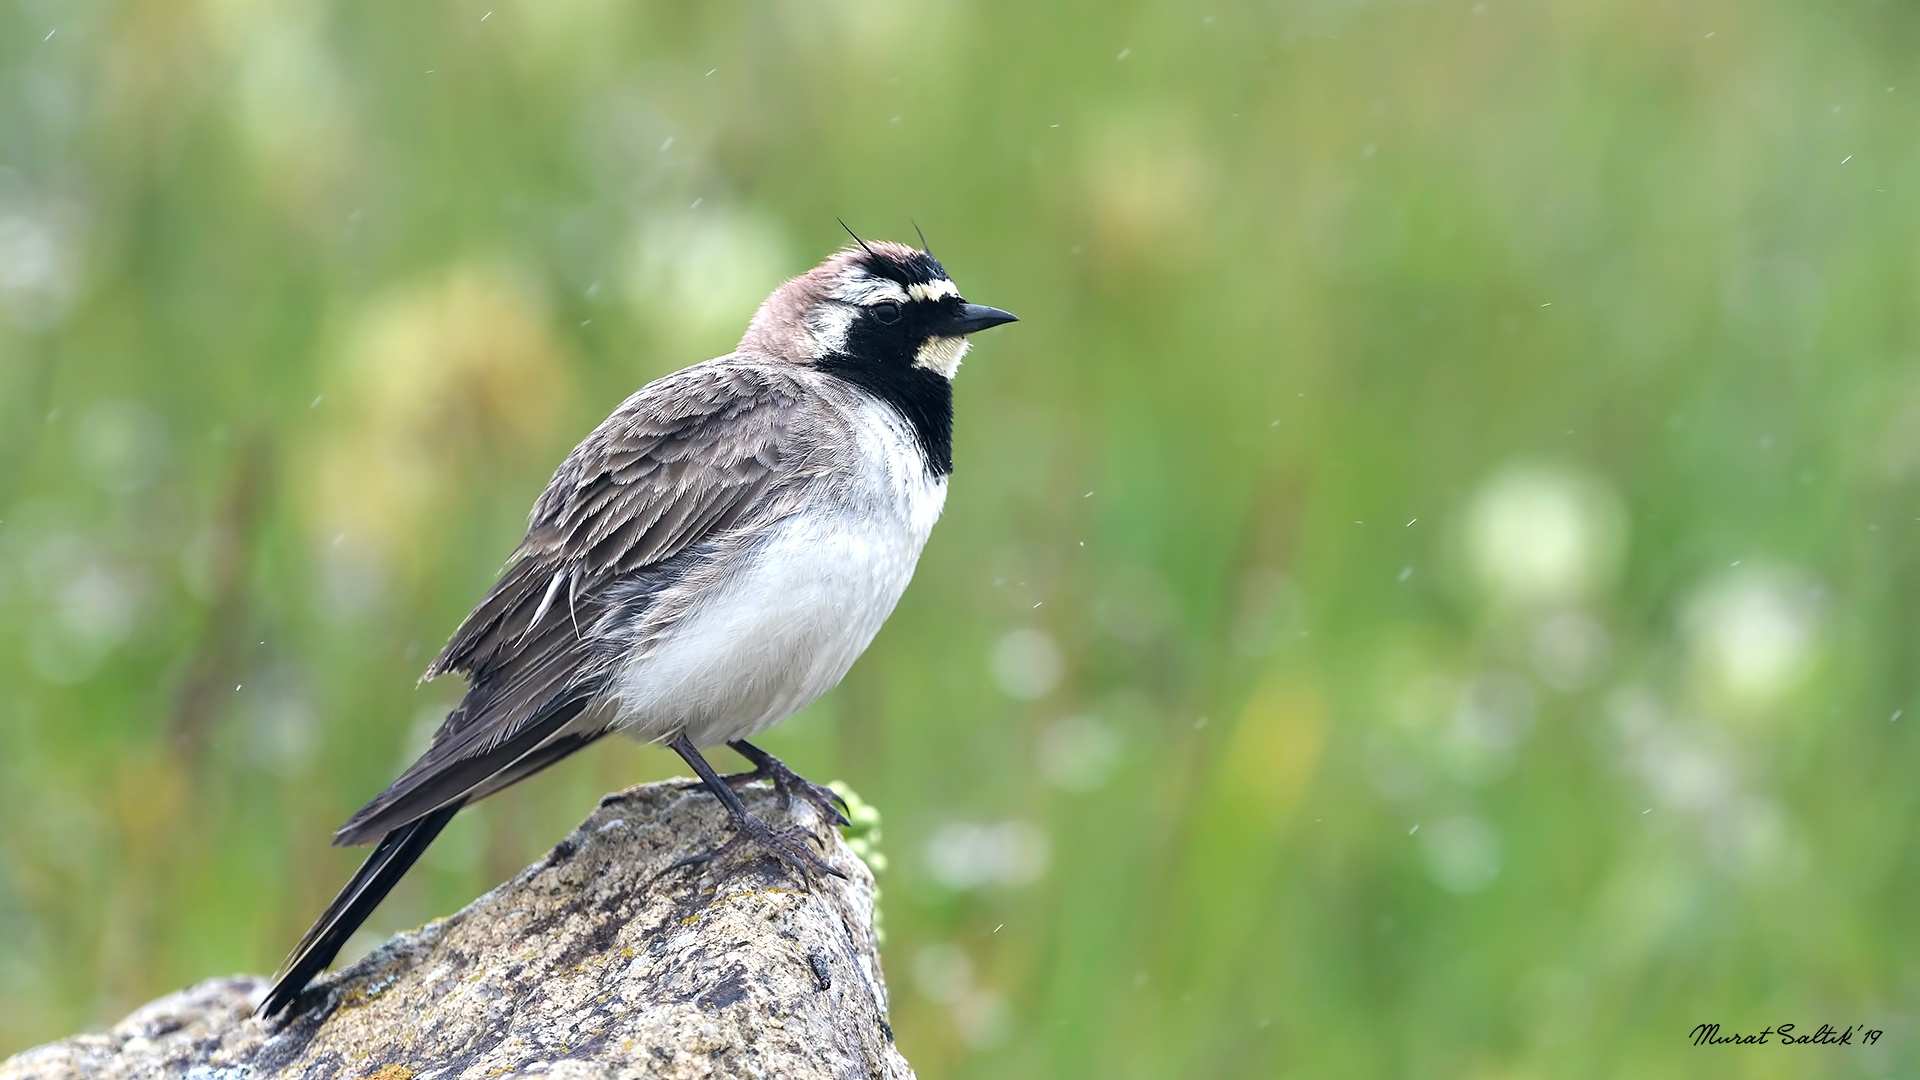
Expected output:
(976, 317)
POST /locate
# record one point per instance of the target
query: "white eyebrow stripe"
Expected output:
(933, 290)
(865, 289)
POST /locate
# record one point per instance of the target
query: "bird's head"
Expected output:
(876, 303)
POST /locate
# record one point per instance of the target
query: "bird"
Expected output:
(708, 561)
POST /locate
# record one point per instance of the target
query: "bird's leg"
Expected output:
(789, 847)
(788, 783)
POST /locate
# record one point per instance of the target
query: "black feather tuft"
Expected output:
(856, 238)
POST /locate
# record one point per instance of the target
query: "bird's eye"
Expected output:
(886, 314)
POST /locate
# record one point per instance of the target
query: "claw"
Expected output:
(789, 846)
(787, 782)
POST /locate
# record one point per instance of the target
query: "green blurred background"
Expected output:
(1427, 590)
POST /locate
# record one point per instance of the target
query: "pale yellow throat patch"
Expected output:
(942, 354)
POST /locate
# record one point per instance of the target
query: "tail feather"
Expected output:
(397, 851)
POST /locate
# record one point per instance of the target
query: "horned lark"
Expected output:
(709, 560)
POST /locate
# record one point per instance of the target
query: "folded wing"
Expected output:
(639, 504)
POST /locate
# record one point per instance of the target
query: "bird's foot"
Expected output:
(790, 846)
(787, 782)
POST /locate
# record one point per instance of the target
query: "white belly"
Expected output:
(788, 623)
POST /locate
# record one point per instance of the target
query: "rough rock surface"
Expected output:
(598, 961)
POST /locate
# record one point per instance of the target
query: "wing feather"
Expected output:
(697, 450)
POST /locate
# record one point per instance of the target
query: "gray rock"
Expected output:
(598, 962)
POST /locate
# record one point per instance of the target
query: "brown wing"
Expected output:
(681, 464)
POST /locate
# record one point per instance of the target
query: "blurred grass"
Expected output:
(1460, 460)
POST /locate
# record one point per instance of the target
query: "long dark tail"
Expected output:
(397, 851)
